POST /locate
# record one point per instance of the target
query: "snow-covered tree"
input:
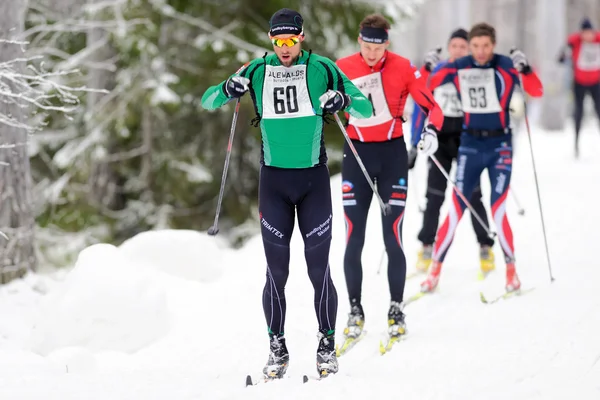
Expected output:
(145, 155)
(16, 217)
(31, 95)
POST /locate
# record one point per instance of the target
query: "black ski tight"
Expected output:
(580, 92)
(436, 193)
(387, 165)
(282, 193)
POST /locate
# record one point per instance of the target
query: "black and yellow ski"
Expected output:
(504, 296)
(392, 340)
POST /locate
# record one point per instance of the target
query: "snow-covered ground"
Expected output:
(177, 315)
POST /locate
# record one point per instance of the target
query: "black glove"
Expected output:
(412, 157)
(333, 101)
(236, 86)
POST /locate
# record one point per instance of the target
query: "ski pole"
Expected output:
(214, 229)
(416, 190)
(381, 261)
(463, 198)
(520, 210)
(386, 208)
(537, 186)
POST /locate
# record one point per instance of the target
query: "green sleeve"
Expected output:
(360, 106)
(215, 96)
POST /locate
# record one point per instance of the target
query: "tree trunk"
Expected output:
(103, 181)
(554, 105)
(16, 215)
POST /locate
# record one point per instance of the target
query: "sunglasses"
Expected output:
(289, 42)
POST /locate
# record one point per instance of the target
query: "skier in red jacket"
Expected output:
(386, 79)
(585, 55)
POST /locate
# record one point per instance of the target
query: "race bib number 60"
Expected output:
(285, 100)
(285, 93)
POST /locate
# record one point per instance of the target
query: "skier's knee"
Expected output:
(277, 277)
(318, 275)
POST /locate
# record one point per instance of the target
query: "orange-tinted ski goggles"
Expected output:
(289, 41)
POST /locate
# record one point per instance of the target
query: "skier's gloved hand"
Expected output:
(429, 142)
(520, 61)
(432, 58)
(333, 101)
(236, 86)
(412, 157)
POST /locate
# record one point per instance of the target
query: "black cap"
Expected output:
(586, 24)
(286, 21)
(459, 33)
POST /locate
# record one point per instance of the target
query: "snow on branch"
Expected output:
(35, 88)
(82, 26)
(208, 27)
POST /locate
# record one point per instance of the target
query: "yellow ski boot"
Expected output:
(424, 258)
(396, 327)
(354, 332)
(486, 260)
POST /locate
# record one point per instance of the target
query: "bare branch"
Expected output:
(107, 65)
(38, 88)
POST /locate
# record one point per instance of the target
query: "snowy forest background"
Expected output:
(101, 132)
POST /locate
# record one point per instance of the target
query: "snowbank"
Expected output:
(185, 254)
(74, 360)
(106, 303)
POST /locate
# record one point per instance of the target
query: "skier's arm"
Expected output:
(216, 96)
(418, 116)
(518, 64)
(532, 85)
(418, 122)
(572, 41)
(360, 106)
(423, 96)
(424, 73)
(445, 74)
(562, 56)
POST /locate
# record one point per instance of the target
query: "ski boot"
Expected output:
(396, 324)
(327, 362)
(431, 282)
(513, 283)
(486, 260)
(356, 322)
(279, 358)
(353, 332)
(424, 258)
(396, 327)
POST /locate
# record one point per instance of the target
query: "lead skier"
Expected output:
(291, 91)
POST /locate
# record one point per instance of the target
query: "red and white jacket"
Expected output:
(387, 85)
(586, 59)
